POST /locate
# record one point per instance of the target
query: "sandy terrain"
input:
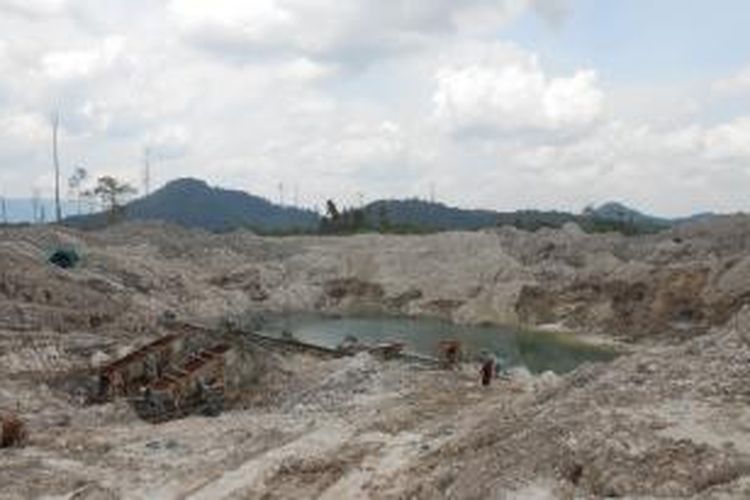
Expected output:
(668, 420)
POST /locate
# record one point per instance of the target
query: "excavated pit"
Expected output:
(666, 419)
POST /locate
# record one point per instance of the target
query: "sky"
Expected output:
(501, 104)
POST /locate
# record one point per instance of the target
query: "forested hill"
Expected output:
(193, 203)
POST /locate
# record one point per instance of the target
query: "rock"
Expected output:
(99, 359)
(13, 431)
(123, 351)
(546, 380)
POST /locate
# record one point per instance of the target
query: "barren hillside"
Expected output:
(675, 284)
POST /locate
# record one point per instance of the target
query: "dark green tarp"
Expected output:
(64, 258)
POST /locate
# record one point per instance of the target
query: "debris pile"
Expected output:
(359, 375)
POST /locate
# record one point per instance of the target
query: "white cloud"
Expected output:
(68, 64)
(507, 89)
(352, 32)
(366, 144)
(735, 84)
(23, 131)
(169, 142)
(346, 97)
(729, 141)
(33, 8)
(229, 23)
(576, 100)
(305, 70)
(23, 142)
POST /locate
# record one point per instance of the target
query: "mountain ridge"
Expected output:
(192, 202)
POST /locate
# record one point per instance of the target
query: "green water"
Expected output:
(537, 351)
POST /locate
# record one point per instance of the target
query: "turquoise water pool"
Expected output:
(537, 351)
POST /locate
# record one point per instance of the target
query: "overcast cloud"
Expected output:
(370, 98)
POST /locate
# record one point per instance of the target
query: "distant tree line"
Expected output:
(417, 217)
(370, 219)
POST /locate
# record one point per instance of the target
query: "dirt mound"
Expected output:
(664, 422)
(358, 376)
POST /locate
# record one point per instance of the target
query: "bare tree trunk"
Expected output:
(55, 158)
(35, 201)
(147, 171)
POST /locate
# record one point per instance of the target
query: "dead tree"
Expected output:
(75, 183)
(56, 161)
(36, 201)
(147, 171)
